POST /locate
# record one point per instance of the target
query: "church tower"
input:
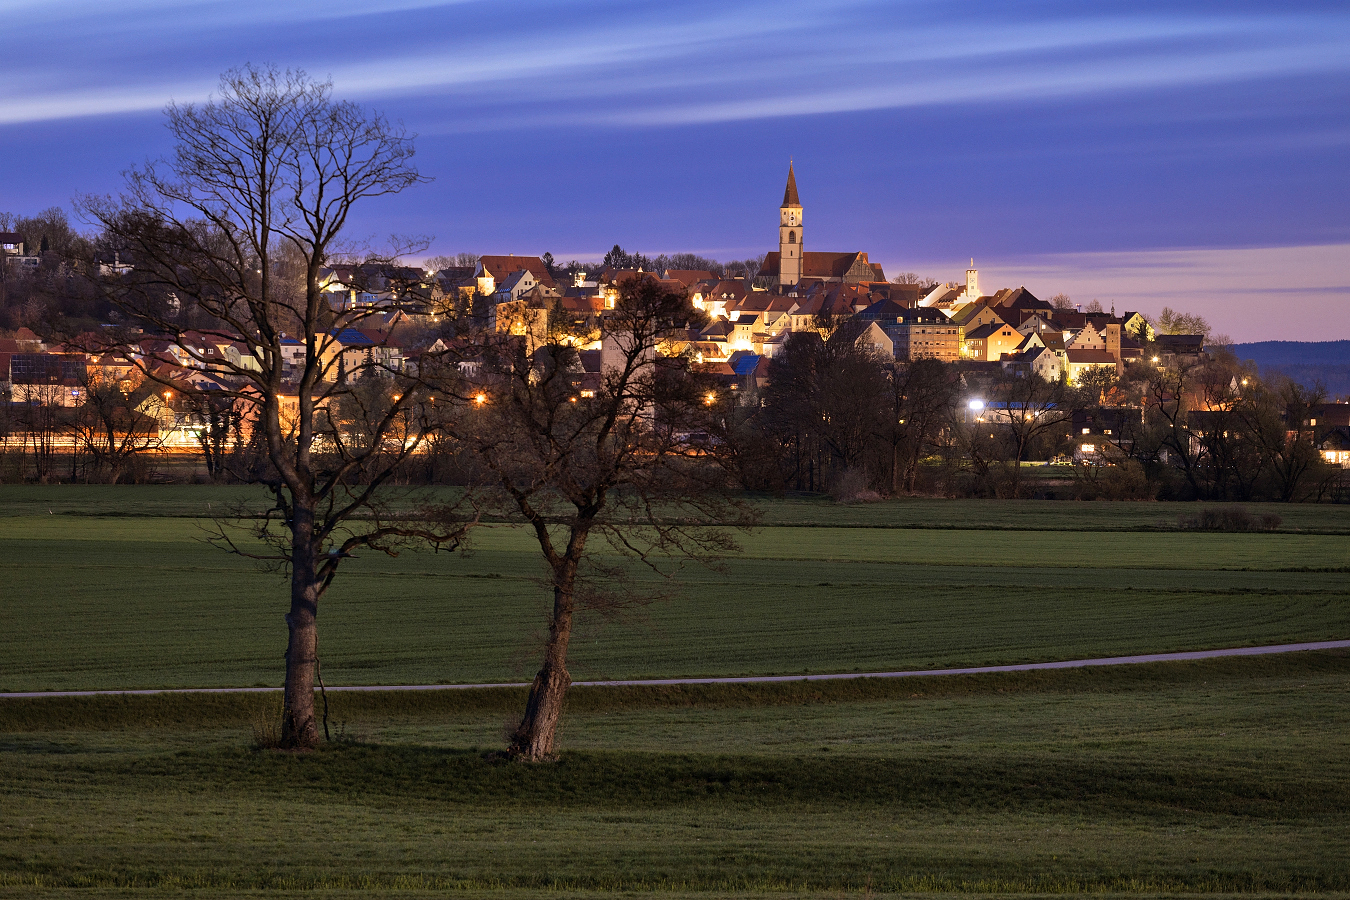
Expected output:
(972, 283)
(790, 241)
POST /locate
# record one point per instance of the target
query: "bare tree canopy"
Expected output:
(453, 261)
(239, 225)
(923, 281)
(1170, 321)
(614, 467)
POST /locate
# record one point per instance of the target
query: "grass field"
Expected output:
(1225, 776)
(1220, 776)
(137, 600)
(187, 501)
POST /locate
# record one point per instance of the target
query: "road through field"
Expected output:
(752, 679)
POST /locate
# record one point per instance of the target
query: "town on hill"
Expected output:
(831, 376)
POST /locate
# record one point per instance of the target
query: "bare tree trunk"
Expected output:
(298, 728)
(535, 737)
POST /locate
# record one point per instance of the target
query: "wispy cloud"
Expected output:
(687, 62)
(1252, 293)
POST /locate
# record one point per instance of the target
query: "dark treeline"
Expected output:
(834, 416)
(51, 294)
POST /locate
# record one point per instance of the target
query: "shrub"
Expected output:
(1125, 480)
(853, 486)
(1231, 518)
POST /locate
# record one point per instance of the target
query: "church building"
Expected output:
(793, 264)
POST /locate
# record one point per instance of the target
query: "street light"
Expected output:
(480, 399)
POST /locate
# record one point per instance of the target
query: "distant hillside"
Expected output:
(1296, 353)
(1307, 362)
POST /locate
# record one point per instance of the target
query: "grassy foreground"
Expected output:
(1220, 776)
(1227, 776)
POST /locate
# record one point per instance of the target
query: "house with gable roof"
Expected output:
(1076, 362)
(990, 342)
(492, 271)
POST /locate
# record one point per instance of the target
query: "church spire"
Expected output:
(791, 241)
(790, 195)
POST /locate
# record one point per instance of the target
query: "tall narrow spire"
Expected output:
(790, 195)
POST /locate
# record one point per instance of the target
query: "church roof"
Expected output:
(820, 264)
(790, 195)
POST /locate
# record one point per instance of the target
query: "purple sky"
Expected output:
(1187, 154)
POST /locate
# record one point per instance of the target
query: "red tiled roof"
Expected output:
(500, 267)
(1090, 357)
(690, 276)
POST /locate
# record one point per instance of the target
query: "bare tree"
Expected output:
(221, 426)
(113, 426)
(239, 223)
(823, 400)
(1061, 301)
(457, 260)
(1027, 409)
(617, 470)
(45, 422)
(1170, 321)
(918, 405)
(923, 281)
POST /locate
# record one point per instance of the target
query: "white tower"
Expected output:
(972, 282)
(790, 243)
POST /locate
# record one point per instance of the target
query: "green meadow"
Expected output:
(1221, 777)
(109, 590)
(1227, 776)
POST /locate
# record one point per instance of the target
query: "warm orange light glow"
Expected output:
(480, 399)
(710, 398)
(573, 399)
(398, 397)
(168, 394)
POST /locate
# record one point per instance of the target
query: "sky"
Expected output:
(1191, 154)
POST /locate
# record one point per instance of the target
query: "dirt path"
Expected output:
(750, 679)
